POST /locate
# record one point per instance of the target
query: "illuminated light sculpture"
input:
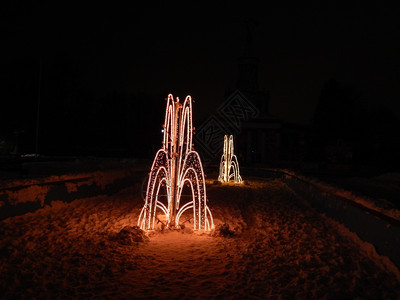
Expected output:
(229, 166)
(176, 164)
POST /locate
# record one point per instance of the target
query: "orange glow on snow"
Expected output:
(175, 165)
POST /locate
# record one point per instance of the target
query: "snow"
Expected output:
(19, 191)
(368, 192)
(268, 243)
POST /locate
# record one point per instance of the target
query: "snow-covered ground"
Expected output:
(268, 243)
(379, 193)
(385, 188)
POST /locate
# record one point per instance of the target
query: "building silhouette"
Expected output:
(258, 137)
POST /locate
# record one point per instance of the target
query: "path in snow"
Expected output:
(276, 246)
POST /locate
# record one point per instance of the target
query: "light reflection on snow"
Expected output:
(280, 248)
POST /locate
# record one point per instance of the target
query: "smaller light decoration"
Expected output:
(229, 166)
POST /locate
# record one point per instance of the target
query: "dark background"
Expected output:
(104, 70)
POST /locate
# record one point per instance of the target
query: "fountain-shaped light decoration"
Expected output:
(229, 166)
(175, 165)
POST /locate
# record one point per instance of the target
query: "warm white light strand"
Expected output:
(175, 165)
(229, 166)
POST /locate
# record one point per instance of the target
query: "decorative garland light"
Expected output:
(229, 166)
(175, 165)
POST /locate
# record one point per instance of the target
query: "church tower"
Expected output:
(248, 70)
(247, 80)
(244, 114)
(258, 138)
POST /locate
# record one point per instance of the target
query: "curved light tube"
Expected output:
(229, 165)
(175, 164)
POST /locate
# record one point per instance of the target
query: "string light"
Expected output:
(175, 165)
(229, 166)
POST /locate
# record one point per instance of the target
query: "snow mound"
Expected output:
(378, 204)
(389, 177)
(130, 234)
(222, 230)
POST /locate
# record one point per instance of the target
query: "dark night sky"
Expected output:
(192, 49)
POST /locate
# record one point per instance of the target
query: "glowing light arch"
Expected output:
(175, 165)
(229, 166)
